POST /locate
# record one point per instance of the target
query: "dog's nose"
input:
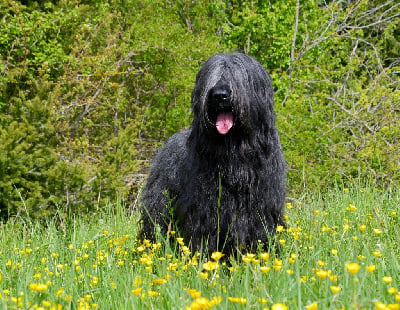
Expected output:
(220, 95)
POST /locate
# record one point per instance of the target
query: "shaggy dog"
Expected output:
(221, 182)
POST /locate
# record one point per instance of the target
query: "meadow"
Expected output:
(340, 250)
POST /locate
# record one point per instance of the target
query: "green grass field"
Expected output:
(339, 251)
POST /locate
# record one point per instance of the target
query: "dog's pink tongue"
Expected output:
(224, 122)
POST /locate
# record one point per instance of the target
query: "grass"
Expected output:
(340, 251)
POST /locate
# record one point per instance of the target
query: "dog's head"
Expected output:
(233, 95)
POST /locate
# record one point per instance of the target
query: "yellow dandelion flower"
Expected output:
(352, 268)
(193, 293)
(334, 252)
(38, 287)
(217, 256)
(60, 291)
(239, 300)
(210, 266)
(282, 241)
(351, 207)
(313, 306)
(203, 275)
(321, 263)
(362, 227)
(370, 268)
(346, 227)
(136, 291)
(322, 274)
(280, 228)
(387, 280)
(289, 205)
(264, 256)
(279, 306)
(377, 253)
(303, 279)
(397, 297)
(377, 231)
(262, 300)
(335, 289)
(380, 306)
(361, 257)
(289, 272)
(392, 290)
(265, 269)
(151, 293)
(159, 281)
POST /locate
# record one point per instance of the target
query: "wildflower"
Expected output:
(239, 300)
(351, 207)
(377, 253)
(280, 228)
(264, 256)
(217, 256)
(180, 241)
(362, 227)
(248, 258)
(282, 241)
(159, 281)
(313, 306)
(193, 293)
(335, 289)
(321, 263)
(377, 231)
(265, 269)
(322, 274)
(361, 257)
(38, 287)
(136, 291)
(352, 268)
(60, 291)
(204, 303)
(262, 300)
(277, 264)
(289, 272)
(392, 290)
(203, 275)
(210, 265)
(387, 280)
(279, 306)
(151, 293)
(334, 251)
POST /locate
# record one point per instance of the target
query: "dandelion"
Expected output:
(387, 280)
(362, 227)
(217, 256)
(280, 228)
(279, 306)
(203, 275)
(265, 269)
(313, 306)
(159, 281)
(289, 272)
(264, 256)
(136, 291)
(151, 293)
(377, 231)
(392, 290)
(352, 268)
(38, 287)
(322, 274)
(335, 289)
(239, 300)
(377, 253)
(334, 252)
(193, 293)
(351, 207)
(210, 266)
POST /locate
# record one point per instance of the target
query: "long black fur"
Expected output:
(225, 191)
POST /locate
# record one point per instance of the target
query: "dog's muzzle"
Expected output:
(220, 110)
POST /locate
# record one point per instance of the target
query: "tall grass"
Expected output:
(339, 251)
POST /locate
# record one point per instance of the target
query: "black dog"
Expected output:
(222, 181)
